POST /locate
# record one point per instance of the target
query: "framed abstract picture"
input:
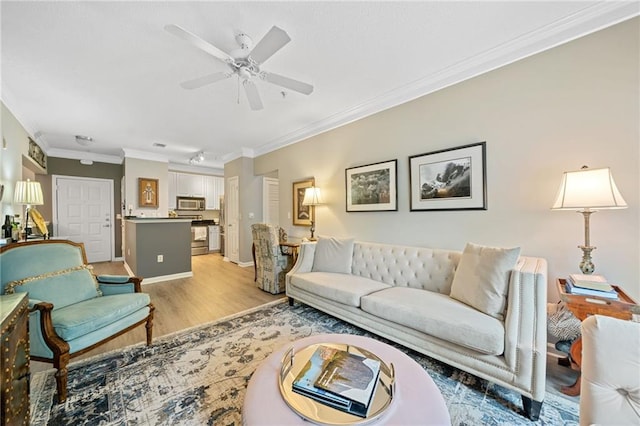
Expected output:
(302, 215)
(449, 179)
(372, 188)
(147, 192)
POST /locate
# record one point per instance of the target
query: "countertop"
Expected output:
(136, 219)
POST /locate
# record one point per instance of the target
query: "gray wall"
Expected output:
(145, 241)
(66, 167)
(552, 112)
(250, 199)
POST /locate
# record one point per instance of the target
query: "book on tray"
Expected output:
(339, 379)
(590, 285)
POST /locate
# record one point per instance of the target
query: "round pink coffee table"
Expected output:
(417, 400)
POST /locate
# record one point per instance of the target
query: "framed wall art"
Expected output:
(147, 192)
(302, 215)
(36, 153)
(449, 179)
(372, 188)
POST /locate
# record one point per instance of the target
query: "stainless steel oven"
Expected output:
(199, 239)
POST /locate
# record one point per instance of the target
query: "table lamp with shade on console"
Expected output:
(312, 198)
(28, 193)
(586, 191)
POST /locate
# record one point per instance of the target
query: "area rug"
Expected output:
(199, 377)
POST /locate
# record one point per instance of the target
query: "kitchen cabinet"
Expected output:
(173, 189)
(15, 359)
(189, 185)
(214, 238)
(214, 189)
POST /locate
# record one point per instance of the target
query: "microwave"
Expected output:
(190, 203)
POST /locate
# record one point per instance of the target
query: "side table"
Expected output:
(582, 307)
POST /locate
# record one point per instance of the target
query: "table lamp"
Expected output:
(312, 198)
(29, 193)
(587, 190)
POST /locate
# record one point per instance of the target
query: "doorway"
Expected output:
(271, 201)
(83, 212)
(233, 214)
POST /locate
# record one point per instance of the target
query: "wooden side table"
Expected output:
(582, 307)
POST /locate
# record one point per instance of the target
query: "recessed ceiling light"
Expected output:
(86, 162)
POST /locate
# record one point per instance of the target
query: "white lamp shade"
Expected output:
(28, 192)
(588, 189)
(312, 197)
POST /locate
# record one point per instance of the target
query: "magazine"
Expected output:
(324, 368)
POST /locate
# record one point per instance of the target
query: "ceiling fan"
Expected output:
(244, 62)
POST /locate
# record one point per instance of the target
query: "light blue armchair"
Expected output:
(71, 310)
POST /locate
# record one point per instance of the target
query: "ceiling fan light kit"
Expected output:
(244, 62)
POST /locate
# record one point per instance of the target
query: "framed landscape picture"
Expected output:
(302, 215)
(449, 179)
(373, 187)
(147, 192)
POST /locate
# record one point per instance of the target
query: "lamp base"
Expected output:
(586, 265)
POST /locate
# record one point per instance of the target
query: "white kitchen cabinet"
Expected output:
(190, 185)
(172, 186)
(214, 238)
(214, 189)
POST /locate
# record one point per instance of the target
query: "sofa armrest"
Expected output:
(304, 263)
(526, 324)
(118, 284)
(46, 330)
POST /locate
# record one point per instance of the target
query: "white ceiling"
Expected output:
(110, 71)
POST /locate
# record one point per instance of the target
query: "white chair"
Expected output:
(610, 372)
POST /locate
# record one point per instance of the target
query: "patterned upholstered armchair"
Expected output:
(71, 310)
(271, 265)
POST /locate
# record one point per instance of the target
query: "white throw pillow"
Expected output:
(482, 278)
(333, 255)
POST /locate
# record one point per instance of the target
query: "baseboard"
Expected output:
(245, 264)
(170, 277)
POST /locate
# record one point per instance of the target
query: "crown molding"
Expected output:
(144, 155)
(586, 21)
(215, 171)
(83, 155)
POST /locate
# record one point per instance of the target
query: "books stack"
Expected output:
(339, 379)
(590, 285)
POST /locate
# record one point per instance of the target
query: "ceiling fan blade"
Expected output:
(273, 41)
(287, 82)
(252, 95)
(198, 42)
(203, 81)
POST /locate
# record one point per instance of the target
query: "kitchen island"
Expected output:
(158, 249)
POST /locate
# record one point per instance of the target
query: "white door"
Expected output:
(232, 250)
(271, 201)
(83, 212)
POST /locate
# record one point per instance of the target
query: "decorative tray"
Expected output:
(319, 413)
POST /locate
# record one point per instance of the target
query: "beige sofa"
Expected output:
(403, 294)
(610, 390)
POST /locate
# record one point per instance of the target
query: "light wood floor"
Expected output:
(216, 290)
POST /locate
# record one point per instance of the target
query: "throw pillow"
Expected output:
(482, 278)
(333, 255)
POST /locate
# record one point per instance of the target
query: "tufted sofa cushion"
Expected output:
(438, 315)
(341, 288)
(416, 267)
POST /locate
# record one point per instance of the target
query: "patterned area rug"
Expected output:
(199, 377)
